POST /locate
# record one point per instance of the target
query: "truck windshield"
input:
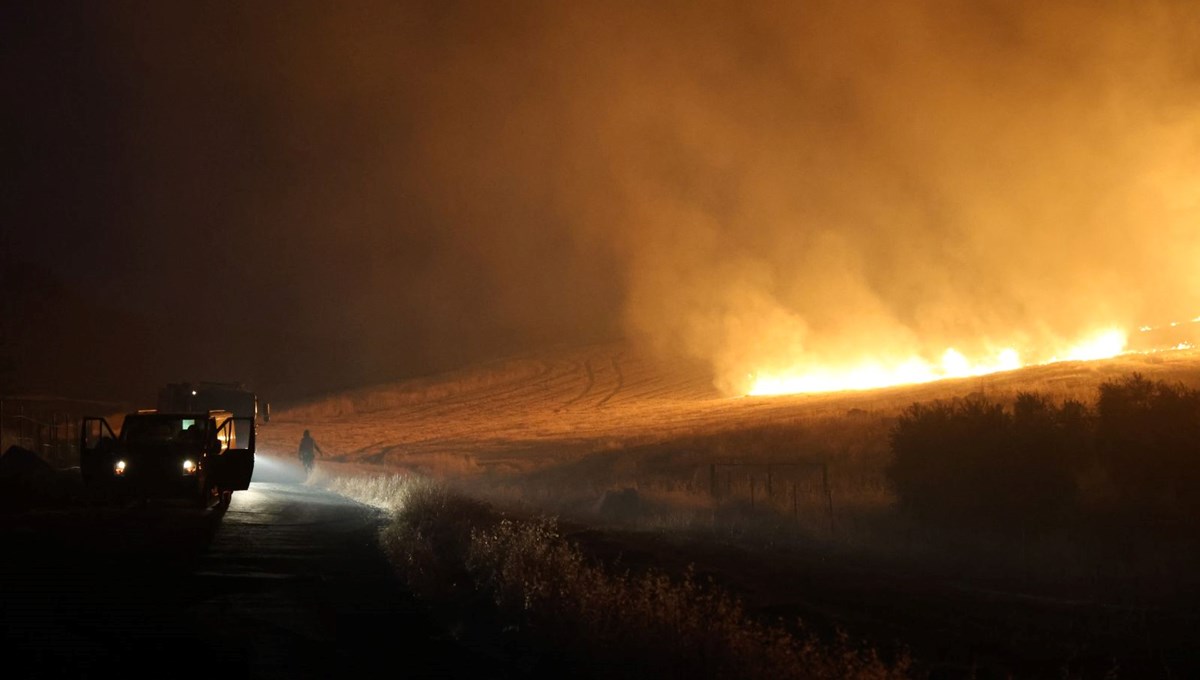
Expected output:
(162, 430)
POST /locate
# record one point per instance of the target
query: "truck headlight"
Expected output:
(189, 467)
(119, 468)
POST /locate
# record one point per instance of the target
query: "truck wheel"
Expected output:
(204, 498)
(226, 497)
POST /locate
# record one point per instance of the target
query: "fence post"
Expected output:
(712, 479)
(751, 492)
(795, 508)
(769, 490)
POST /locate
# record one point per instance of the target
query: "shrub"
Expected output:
(973, 463)
(429, 536)
(1148, 441)
(647, 625)
(452, 548)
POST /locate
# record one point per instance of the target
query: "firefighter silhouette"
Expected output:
(309, 450)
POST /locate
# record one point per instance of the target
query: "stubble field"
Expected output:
(783, 501)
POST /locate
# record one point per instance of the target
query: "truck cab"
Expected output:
(203, 456)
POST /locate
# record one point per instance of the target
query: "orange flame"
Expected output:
(953, 364)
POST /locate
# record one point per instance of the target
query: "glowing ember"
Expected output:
(953, 364)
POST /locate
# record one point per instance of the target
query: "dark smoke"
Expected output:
(373, 190)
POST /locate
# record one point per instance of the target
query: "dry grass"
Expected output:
(854, 508)
(415, 391)
(663, 626)
(386, 492)
(534, 446)
(619, 624)
(558, 432)
(777, 481)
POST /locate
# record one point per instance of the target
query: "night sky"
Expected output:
(305, 196)
(281, 193)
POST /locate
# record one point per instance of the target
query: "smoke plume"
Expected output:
(821, 184)
(768, 187)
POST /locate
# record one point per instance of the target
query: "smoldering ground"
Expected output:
(383, 189)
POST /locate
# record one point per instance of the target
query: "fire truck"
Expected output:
(202, 456)
(203, 396)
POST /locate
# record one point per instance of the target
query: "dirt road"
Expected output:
(288, 582)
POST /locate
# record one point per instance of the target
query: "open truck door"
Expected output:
(235, 462)
(97, 445)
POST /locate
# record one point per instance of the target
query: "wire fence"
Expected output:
(793, 488)
(48, 428)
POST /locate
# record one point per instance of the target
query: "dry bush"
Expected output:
(429, 536)
(455, 548)
(974, 463)
(390, 492)
(649, 622)
(452, 548)
(982, 463)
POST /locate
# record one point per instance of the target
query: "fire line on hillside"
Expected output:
(953, 364)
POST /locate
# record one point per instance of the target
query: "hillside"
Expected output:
(785, 502)
(527, 413)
